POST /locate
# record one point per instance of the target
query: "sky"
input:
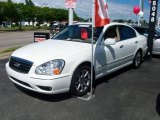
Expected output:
(118, 9)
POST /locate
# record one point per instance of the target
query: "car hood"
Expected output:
(41, 52)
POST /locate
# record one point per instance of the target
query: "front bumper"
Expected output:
(38, 83)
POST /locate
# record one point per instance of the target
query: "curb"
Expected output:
(5, 55)
(4, 59)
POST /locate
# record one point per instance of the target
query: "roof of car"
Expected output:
(112, 23)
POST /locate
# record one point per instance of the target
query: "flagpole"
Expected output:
(90, 94)
(92, 52)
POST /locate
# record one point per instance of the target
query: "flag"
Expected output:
(101, 16)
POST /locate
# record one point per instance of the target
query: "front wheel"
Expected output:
(81, 81)
(137, 59)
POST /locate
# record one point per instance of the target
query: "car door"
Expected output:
(107, 56)
(127, 44)
(113, 57)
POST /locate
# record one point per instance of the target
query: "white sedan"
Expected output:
(156, 40)
(63, 63)
(156, 43)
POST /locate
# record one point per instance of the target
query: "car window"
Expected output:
(126, 32)
(111, 32)
(79, 33)
(142, 31)
(157, 31)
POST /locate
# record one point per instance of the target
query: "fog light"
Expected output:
(45, 88)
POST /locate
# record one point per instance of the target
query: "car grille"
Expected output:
(20, 65)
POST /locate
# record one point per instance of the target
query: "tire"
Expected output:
(137, 59)
(81, 81)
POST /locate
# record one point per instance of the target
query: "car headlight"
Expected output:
(53, 67)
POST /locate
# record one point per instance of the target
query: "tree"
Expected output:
(2, 13)
(17, 12)
(9, 1)
(39, 16)
(29, 13)
(130, 21)
(29, 10)
(10, 11)
(20, 14)
(29, 2)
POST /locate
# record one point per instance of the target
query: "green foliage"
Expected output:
(9, 49)
(9, 11)
(29, 2)
(17, 12)
(9, 1)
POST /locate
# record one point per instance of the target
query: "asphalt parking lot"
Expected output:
(129, 94)
(13, 39)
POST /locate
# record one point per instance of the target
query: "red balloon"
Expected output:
(136, 10)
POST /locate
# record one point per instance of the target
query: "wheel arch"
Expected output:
(139, 49)
(85, 63)
(71, 90)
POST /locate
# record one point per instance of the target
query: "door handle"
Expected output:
(121, 46)
(136, 42)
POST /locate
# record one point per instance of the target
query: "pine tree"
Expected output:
(29, 2)
(9, 1)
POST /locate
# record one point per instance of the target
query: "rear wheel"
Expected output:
(81, 81)
(137, 59)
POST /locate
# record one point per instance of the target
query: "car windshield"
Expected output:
(158, 32)
(79, 33)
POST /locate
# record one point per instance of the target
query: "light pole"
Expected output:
(90, 14)
(141, 4)
(70, 4)
(70, 16)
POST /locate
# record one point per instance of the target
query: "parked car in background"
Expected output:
(57, 27)
(63, 63)
(156, 40)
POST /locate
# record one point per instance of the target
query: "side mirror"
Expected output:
(110, 41)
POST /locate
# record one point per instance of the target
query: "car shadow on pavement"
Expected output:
(156, 56)
(107, 78)
(65, 96)
(45, 97)
(158, 104)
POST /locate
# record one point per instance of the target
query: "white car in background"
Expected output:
(63, 63)
(156, 40)
(156, 43)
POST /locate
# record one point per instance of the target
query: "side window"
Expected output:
(132, 33)
(110, 32)
(126, 32)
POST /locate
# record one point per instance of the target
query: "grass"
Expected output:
(9, 49)
(23, 28)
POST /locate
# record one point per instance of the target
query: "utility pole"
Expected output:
(141, 4)
(70, 4)
(70, 16)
